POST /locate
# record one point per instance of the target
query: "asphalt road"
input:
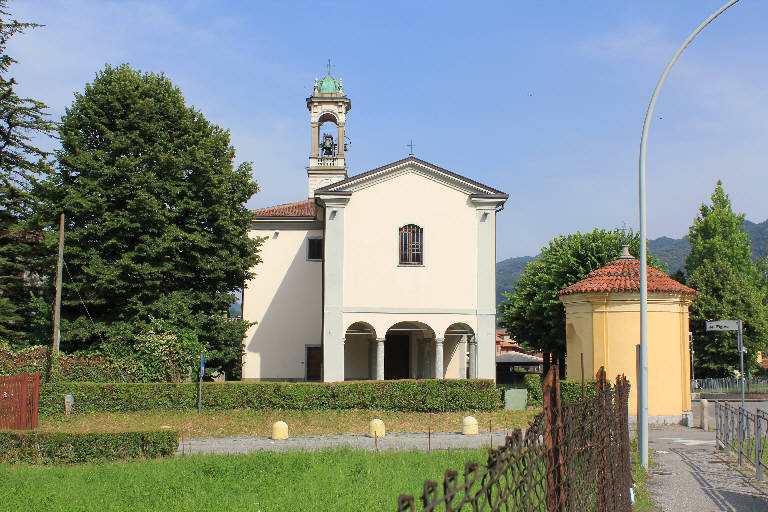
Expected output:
(691, 476)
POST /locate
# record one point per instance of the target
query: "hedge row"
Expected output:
(570, 390)
(85, 366)
(399, 395)
(60, 448)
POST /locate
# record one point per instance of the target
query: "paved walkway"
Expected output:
(392, 441)
(693, 477)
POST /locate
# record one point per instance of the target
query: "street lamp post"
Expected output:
(642, 420)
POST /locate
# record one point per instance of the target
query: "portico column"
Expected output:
(472, 357)
(463, 356)
(439, 370)
(379, 358)
(372, 358)
(413, 363)
(420, 363)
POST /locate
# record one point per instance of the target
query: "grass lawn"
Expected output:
(250, 422)
(332, 480)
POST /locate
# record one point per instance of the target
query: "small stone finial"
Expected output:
(625, 254)
(341, 87)
(314, 93)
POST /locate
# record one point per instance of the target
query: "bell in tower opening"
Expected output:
(328, 146)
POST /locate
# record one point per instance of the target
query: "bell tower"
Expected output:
(328, 104)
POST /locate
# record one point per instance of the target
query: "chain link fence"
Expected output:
(573, 456)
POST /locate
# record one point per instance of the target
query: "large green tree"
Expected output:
(731, 285)
(21, 163)
(532, 313)
(156, 223)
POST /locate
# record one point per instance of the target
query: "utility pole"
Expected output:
(690, 341)
(642, 395)
(57, 307)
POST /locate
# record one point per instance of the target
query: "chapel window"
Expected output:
(315, 249)
(411, 245)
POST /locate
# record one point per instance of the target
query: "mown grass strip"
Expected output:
(250, 422)
(332, 480)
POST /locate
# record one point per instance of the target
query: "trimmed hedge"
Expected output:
(82, 366)
(570, 390)
(62, 448)
(397, 395)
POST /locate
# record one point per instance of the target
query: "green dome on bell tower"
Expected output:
(328, 85)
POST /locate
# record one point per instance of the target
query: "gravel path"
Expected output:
(392, 441)
(693, 477)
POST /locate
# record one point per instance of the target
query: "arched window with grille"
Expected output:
(411, 245)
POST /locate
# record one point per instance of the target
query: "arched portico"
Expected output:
(406, 350)
(358, 340)
(460, 348)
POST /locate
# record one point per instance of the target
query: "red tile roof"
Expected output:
(299, 209)
(623, 275)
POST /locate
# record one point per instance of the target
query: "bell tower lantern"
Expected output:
(327, 105)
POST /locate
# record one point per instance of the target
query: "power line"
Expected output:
(103, 343)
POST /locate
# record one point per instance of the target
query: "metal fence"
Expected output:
(572, 457)
(18, 401)
(745, 432)
(730, 385)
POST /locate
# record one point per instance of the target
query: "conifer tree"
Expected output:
(721, 268)
(156, 218)
(21, 163)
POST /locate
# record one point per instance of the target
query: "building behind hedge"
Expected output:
(388, 274)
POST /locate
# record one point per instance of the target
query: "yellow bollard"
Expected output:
(376, 429)
(469, 426)
(280, 431)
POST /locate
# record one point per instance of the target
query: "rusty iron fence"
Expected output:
(573, 456)
(744, 432)
(18, 401)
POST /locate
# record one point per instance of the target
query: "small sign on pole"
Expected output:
(732, 325)
(200, 386)
(722, 325)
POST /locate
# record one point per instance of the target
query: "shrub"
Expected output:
(165, 352)
(570, 390)
(533, 386)
(399, 395)
(69, 448)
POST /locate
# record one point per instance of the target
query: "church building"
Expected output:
(388, 274)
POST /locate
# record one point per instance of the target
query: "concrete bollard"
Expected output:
(376, 429)
(704, 423)
(469, 426)
(280, 431)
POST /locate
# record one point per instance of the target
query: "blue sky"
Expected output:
(543, 100)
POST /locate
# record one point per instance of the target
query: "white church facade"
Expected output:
(389, 274)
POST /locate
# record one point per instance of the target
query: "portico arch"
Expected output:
(359, 342)
(409, 351)
(460, 351)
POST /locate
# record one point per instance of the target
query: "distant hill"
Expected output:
(507, 274)
(671, 251)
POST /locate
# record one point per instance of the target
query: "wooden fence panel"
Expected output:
(18, 401)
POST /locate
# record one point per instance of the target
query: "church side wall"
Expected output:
(285, 298)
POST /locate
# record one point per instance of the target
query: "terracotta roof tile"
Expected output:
(304, 208)
(623, 275)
